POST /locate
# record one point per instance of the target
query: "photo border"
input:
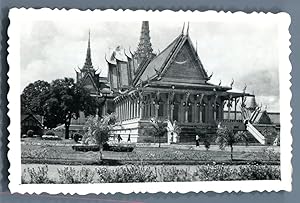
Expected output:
(285, 68)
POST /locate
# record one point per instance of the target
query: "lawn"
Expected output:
(61, 152)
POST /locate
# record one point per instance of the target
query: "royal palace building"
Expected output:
(171, 85)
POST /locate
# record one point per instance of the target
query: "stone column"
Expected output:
(180, 112)
(186, 113)
(215, 112)
(235, 104)
(134, 108)
(117, 111)
(119, 105)
(168, 107)
(171, 112)
(153, 109)
(123, 110)
(229, 109)
(126, 109)
(195, 116)
(200, 112)
(142, 106)
(129, 108)
(156, 106)
(138, 108)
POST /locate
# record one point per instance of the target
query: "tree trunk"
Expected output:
(100, 151)
(231, 152)
(67, 128)
(67, 131)
(158, 141)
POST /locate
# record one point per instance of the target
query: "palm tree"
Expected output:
(98, 129)
(159, 128)
(226, 136)
(174, 130)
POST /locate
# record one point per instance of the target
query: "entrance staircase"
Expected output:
(188, 133)
(249, 118)
(258, 136)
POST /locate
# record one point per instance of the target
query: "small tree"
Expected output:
(158, 128)
(206, 144)
(97, 130)
(174, 129)
(227, 137)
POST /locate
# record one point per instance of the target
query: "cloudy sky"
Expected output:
(244, 51)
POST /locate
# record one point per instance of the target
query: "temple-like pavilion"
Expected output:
(172, 85)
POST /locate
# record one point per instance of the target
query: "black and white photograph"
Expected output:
(137, 101)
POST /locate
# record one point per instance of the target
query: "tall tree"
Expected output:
(65, 100)
(33, 97)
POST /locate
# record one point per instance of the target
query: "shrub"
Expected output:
(38, 176)
(206, 144)
(259, 172)
(69, 175)
(23, 177)
(173, 174)
(215, 172)
(148, 140)
(121, 148)
(127, 174)
(50, 132)
(41, 152)
(270, 155)
(30, 133)
(77, 137)
(106, 146)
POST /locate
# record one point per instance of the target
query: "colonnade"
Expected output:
(182, 107)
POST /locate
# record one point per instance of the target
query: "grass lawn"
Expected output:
(61, 152)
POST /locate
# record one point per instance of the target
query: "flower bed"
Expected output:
(146, 173)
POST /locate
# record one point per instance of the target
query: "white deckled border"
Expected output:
(14, 155)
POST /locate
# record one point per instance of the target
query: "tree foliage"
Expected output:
(158, 128)
(174, 129)
(226, 136)
(34, 96)
(97, 130)
(58, 102)
(66, 99)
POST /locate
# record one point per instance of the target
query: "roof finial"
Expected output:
(88, 61)
(187, 29)
(144, 49)
(89, 36)
(182, 32)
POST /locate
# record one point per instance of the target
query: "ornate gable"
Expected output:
(184, 66)
(177, 63)
(89, 83)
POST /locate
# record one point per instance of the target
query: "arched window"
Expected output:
(204, 113)
(217, 111)
(190, 113)
(198, 113)
(161, 109)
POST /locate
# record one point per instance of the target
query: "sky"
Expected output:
(244, 51)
